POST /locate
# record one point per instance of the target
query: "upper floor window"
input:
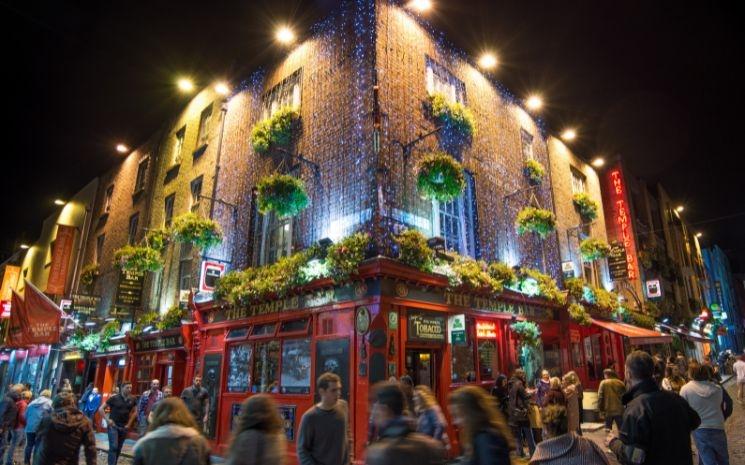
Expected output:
(526, 142)
(133, 224)
(141, 174)
(99, 248)
(286, 93)
(579, 182)
(107, 199)
(204, 126)
(276, 239)
(196, 193)
(178, 146)
(456, 221)
(440, 80)
(168, 210)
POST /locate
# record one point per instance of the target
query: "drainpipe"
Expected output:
(223, 112)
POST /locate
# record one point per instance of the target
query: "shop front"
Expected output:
(161, 356)
(113, 366)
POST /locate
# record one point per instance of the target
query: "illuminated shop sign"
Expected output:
(622, 221)
(486, 329)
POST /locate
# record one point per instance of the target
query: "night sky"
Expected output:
(660, 85)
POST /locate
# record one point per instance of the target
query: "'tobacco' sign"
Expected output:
(426, 327)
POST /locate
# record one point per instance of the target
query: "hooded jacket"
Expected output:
(36, 410)
(172, 444)
(400, 445)
(706, 399)
(568, 449)
(60, 436)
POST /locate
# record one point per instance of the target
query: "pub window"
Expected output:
(276, 239)
(99, 248)
(196, 193)
(204, 126)
(286, 93)
(237, 333)
(463, 363)
(294, 326)
(456, 221)
(579, 182)
(168, 210)
(266, 367)
(178, 146)
(295, 376)
(107, 199)
(526, 143)
(239, 367)
(487, 360)
(439, 80)
(133, 223)
(263, 330)
(141, 174)
(185, 267)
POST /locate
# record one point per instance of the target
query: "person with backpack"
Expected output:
(35, 412)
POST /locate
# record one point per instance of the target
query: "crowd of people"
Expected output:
(655, 412)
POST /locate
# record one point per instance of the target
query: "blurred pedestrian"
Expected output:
(197, 399)
(407, 385)
(573, 379)
(259, 438)
(35, 412)
(610, 405)
(739, 369)
(485, 438)
(167, 392)
(172, 438)
(8, 416)
(659, 368)
(682, 363)
(562, 446)
(519, 403)
(542, 386)
(324, 436)
(500, 391)
(656, 424)
(572, 401)
(430, 419)
(673, 380)
(555, 395)
(399, 444)
(17, 433)
(62, 433)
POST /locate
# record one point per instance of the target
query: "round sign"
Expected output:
(363, 320)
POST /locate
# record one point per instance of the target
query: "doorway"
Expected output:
(420, 365)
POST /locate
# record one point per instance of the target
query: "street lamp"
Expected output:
(121, 148)
(222, 88)
(25, 246)
(679, 209)
(285, 35)
(598, 162)
(488, 61)
(420, 5)
(185, 85)
(699, 234)
(59, 202)
(569, 135)
(534, 102)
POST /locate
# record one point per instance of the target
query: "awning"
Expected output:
(636, 335)
(690, 335)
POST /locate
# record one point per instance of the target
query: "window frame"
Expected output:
(195, 202)
(267, 226)
(205, 120)
(437, 76)
(141, 177)
(578, 179)
(100, 241)
(186, 260)
(178, 147)
(467, 219)
(291, 87)
(132, 235)
(108, 200)
(168, 218)
(526, 144)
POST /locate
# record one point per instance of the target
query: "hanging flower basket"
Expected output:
(579, 315)
(283, 194)
(587, 208)
(138, 259)
(440, 177)
(535, 220)
(276, 130)
(89, 274)
(171, 318)
(453, 116)
(503, 273)
(593, 249)
(157, 239)
(344, 258)
(201, 232)
(534, 171)
(414, 251)
(527, 332)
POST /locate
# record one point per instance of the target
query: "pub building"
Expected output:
(161, 355)
(391, 320)
(113, 365)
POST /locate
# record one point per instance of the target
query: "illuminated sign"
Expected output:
(5, 306)
(654, 289)
(622, 220)
(10, 281)
(486, 329)
(457, 329)
(211, 272)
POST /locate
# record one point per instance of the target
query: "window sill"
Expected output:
(136, 194)
(199, 151)
(172, 173)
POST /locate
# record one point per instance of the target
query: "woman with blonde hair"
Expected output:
(572, 401)
(430, 419)
(484, 436)
(259, 437)
(172, 437)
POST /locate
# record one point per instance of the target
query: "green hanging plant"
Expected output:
(593, 249)
(587, 208)
(344, 257)
(535, 220)
(576, 287)
(283, 194)
(503, 273)
(546, 286)
(201, 232)
(579, 315)
(276, 130)
(414, 251)
(638, 319)
(157, 239)
(88, 274)
(82, 341)
(171, 318)
(473, 274)
(143, 321)
(527, 332)
(534, 171)
(137, 258)
(440, 177)
(108, 331)
(453, 116)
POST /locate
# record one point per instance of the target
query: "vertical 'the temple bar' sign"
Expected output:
(622, 221)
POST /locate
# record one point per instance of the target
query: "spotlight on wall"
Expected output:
(222, 88)
(534, 102)
(420, 5)
(59, 202)
(679, 208)
(25, 246)
(185, 85)
(285, 35)
(488, 61)
(121, 148)
(598, 162)
(699, 235)
(569, 135)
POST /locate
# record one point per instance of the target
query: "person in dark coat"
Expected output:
(260, 436)
(9, 415)
(555, 395)
(500, 391)
(61, 434)
(485, 438)
(172, 438)
(656, 427)
(562, 446)
(519, 403)
(399, 444)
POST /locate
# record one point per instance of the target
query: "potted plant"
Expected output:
(535, 220)
(157, 239)
(344, 257)
(587, 208)
(440, 177)
(593, 249)
(137, 258)
(201, 232)
(503, 273)
(414, 251)
(171, 318)
(277, 130)
(534, 171)
(453, 116)
(283, 194)
(88, 274)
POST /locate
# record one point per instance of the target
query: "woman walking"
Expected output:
(430, 419)
(260, 438)
(172, 437)
(484, 436)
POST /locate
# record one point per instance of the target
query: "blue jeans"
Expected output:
(524, 433)
(30, 443)
(15, 438)
(117, 435)
(712, 446)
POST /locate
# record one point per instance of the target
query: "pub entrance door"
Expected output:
(421, 365)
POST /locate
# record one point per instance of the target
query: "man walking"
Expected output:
(656, 424)
(145, 405)
(119, 420)
(739, 369)
(324, 429)
(610, 405)
(705, 397)
(197, 399)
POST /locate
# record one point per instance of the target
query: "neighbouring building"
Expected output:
(722, 301)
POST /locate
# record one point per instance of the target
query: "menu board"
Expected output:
(129, 291)
(332, 356)
(617, 261)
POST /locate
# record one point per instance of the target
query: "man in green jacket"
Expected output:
(610, 392)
